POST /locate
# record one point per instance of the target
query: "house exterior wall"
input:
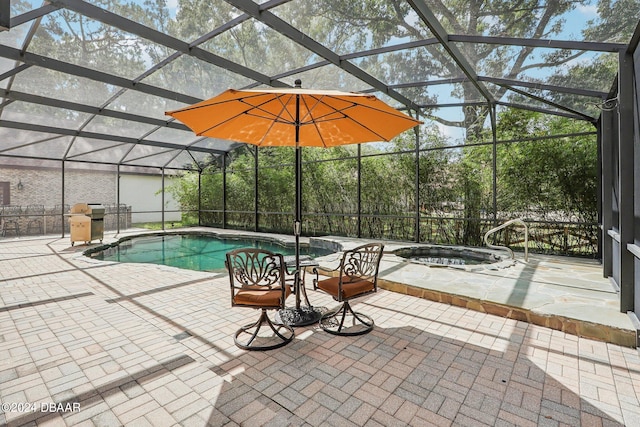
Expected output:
(142, 193)
(43, 186)
(25, 186)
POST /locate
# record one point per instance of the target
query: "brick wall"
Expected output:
(26, 186)
(44, 186)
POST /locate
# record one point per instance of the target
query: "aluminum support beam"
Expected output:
(359, 190)
(97, 111)
(417, 182)
(99, 76)
(542, 86)
(199, 197)
(626, 179)
(5, 15)
(224, 191)
(256, 191)
(162, 199)
(63, 197)
(361, 54)
(117, 198)
(545, 111)
(20, 68)
(607, 139)
(494, 164)
(95, 135)
(155, 36)
(552, 104)
(541, 43)
(424, 12)
(633, 53)
(390, 49)
(449, 81)
(33, 14)
(307, 42)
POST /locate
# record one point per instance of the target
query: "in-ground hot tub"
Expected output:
(467, 258)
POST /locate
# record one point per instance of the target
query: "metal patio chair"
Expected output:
(258, 281)
(35, 218)
(59, 220)
(10, 220)
(358, 276)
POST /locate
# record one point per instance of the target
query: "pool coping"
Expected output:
(281, 240)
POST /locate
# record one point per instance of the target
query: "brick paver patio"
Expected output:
(86, 343)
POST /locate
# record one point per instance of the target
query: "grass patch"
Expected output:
(158, 225)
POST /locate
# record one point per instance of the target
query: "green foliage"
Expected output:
(368, 24)
(554, 178)
(184, 190)
(615, 22)
(545, 178)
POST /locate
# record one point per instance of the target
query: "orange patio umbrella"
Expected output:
(295, 117)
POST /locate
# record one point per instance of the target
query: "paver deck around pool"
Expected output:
(86, 343)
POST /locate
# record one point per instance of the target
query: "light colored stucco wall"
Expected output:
(142, 193)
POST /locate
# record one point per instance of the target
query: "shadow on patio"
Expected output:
(405, 376)
(152, 345)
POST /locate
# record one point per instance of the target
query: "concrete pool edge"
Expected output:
(222, 234)
(404, 250)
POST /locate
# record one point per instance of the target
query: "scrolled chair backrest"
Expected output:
(12, 210)
(34, 209)
(255, 268)
(362, 262)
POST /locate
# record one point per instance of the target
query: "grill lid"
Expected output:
(80, 208)
(96, 211)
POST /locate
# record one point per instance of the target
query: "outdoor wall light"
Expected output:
(20, 186)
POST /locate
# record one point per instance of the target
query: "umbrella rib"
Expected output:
(313, 122)
(276, 117)
(251, 107)
(211, 103)
(319, 100)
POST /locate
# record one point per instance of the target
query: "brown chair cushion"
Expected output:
(350, 286)
(262, 297)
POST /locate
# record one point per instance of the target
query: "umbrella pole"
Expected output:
(298, 316)
(297, 225)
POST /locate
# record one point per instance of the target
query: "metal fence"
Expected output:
(545, 237)
(37, 220)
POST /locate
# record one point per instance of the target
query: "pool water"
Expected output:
(450, 260)
(435, 255)
(189, 251)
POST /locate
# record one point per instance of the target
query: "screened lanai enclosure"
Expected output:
(530, 111)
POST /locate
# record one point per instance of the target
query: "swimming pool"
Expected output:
(201, 252)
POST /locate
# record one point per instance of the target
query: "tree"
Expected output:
(374, 23)
(548, 179)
